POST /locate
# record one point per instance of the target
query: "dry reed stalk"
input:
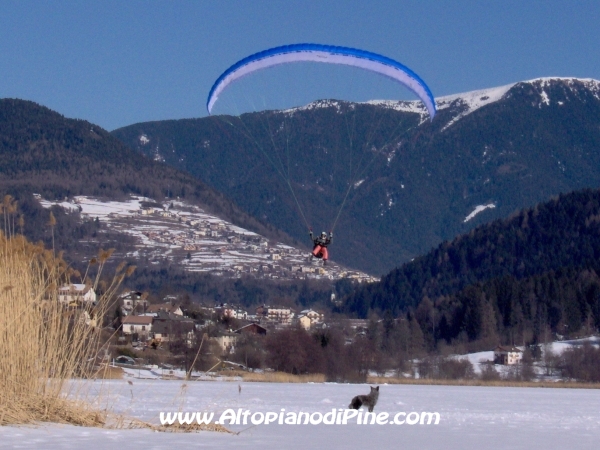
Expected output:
(47, 347)
(44, 343)
(107, 372)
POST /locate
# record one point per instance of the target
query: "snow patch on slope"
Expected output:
(471, 101)
(319, 104)
(591, 84)
(477, 210)
(467, 101)
(95, 208)
(413, 106)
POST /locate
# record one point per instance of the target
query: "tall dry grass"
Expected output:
(44, 344)
(478, 382)
(48, 349)
(278, 377)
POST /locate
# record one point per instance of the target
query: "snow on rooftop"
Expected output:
(74, 286)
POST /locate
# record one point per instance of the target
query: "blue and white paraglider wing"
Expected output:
(326, 54)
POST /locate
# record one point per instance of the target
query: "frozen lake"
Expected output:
(471, 417)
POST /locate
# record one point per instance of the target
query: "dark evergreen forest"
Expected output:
(524, 279)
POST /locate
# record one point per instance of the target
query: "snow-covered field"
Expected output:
(471, 417)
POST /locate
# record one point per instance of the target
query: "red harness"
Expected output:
(320, 252)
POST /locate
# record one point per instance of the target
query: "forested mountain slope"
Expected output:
(43, 152)
(534, 272)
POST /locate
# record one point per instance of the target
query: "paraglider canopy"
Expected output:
(325, 54)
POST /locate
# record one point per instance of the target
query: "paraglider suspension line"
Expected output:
(279, 171)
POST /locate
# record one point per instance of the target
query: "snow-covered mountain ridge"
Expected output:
(467, 102)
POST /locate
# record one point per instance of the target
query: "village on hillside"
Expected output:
(200, 242)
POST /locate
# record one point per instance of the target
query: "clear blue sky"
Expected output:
(117, 63)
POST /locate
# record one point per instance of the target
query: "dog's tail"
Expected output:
(356, 403)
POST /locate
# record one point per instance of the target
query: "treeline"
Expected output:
(384, 348)
(513, 280)
(297, 351)
(341, 352)
(343, 358)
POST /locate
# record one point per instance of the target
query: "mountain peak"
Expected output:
(569, 81)
(466, 102)
(567, 85)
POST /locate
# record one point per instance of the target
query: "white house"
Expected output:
(507, 355)
(309, 318)
(277, 315)
(142, 325)
(227, 342)
(76, 293)
(304, 322)
(241, 314)
(131, 301)
(314, 316)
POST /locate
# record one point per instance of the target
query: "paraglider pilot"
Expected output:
(321, 242)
